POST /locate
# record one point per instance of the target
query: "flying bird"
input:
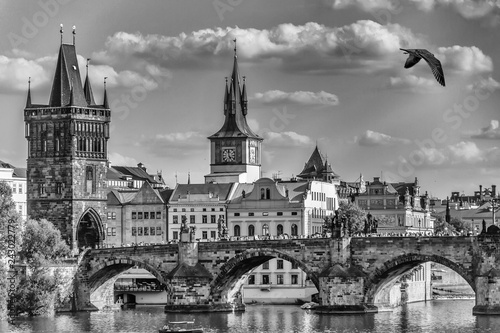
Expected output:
(416, 54)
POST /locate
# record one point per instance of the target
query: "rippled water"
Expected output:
(436, 316)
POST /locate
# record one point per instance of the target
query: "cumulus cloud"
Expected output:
(492, 131)
(484, 84)
(14, 73)
(287, 139)
(464, 59)
(414, 83)
(469, 9)
(178, 145)
(363, 46)
(371, 138)
(274, 97)
(121, 160)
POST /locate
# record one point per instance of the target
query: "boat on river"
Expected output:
(180, 326)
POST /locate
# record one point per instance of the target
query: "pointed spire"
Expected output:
(28, 99)
(105, 101)
(61, 32)
(87, 88)
(244, 100)
(189, 177)
(74, 34)
(226, 97)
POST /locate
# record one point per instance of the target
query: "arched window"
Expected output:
(265, 230)
(268, 193)
(236, 230)
(295, 230)
(251, 230)
(262, 193)
(279, 229)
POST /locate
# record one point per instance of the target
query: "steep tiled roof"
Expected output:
(136, 173)
(20, 172)
(218, 190)
(6, 165)
(317, 167)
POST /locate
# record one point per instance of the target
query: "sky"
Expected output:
(318, 72)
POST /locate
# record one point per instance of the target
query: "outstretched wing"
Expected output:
(412, 60)
(434, 63)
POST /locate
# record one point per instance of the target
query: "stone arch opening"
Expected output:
(384, 277)
(232, 275)
(89, 230)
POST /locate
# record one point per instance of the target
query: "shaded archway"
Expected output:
(388, 274)
(232, 274)
(89, 230)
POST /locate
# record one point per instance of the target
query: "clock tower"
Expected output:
(235, 150)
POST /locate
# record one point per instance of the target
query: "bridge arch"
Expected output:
(393, 269)
(109, 268)
(230, 277)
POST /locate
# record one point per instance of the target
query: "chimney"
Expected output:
(481, 192)
(140, 165)
(493, 191)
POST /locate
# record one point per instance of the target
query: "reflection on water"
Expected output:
(437, 316)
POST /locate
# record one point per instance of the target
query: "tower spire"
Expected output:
(28, 99)
(105, 101)
(61, 32)
(74, 34)
(87, 88)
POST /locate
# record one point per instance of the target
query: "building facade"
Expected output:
(67, 155)
(16, 179)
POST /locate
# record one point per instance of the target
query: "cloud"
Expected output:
(176, 145)
(484, 84)
(371, 138)
(414, 83)
(121, 160)
(492, 131)
(14, 73)
(287, 139)
(469, 9)
(274, 97)
(362, 46)
(464, 59)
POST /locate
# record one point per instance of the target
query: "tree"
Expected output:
(441, 226)
(460, 225)
(353, 215)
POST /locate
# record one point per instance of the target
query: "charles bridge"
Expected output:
(351, 274)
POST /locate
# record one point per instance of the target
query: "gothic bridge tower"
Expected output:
(235, 150)
(67, 154)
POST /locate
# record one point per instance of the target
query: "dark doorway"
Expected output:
(88, 232)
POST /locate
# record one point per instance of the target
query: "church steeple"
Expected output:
(87, 88)
(28, 98)
(105, 100)
(235, 106)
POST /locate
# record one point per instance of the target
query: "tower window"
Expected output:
(89, 180)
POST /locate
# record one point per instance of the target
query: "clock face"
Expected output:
(252, 154)
(228, 155)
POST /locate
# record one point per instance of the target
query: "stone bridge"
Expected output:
(351, 274)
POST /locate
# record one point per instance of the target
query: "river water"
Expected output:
(435, 316)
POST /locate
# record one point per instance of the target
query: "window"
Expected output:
(192, 218)
(251, 214)
(20, 189)
(236, 230)
(175, 235)
(279, 264)
(213, 209)
(192, 209)
(268, 193)
(204, 234)
(204, 209)
(134, 231)
(213, 234)
(204, 219)
(175, 219)
(295, 230)
(146, 231)
(139, 215)
(175, 209)
(236, 214)
(265, 279)
(139, 231)
(295, 265)
(294, 213)
(108, 216)
(134, 215)
(59, 188)
(14, 188)
(295, 279)
(158, 231)
(41, 188)
(279, 229)
(251, 279)
(265, 265)
(146, 215)
(221, 209)
(262, 193)
(113, 215)
(279, 279)
(152, 215)
(152, 231)
(280, 213)
(183, 209)
(251, 230)
(265, 230)
(212, 219)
